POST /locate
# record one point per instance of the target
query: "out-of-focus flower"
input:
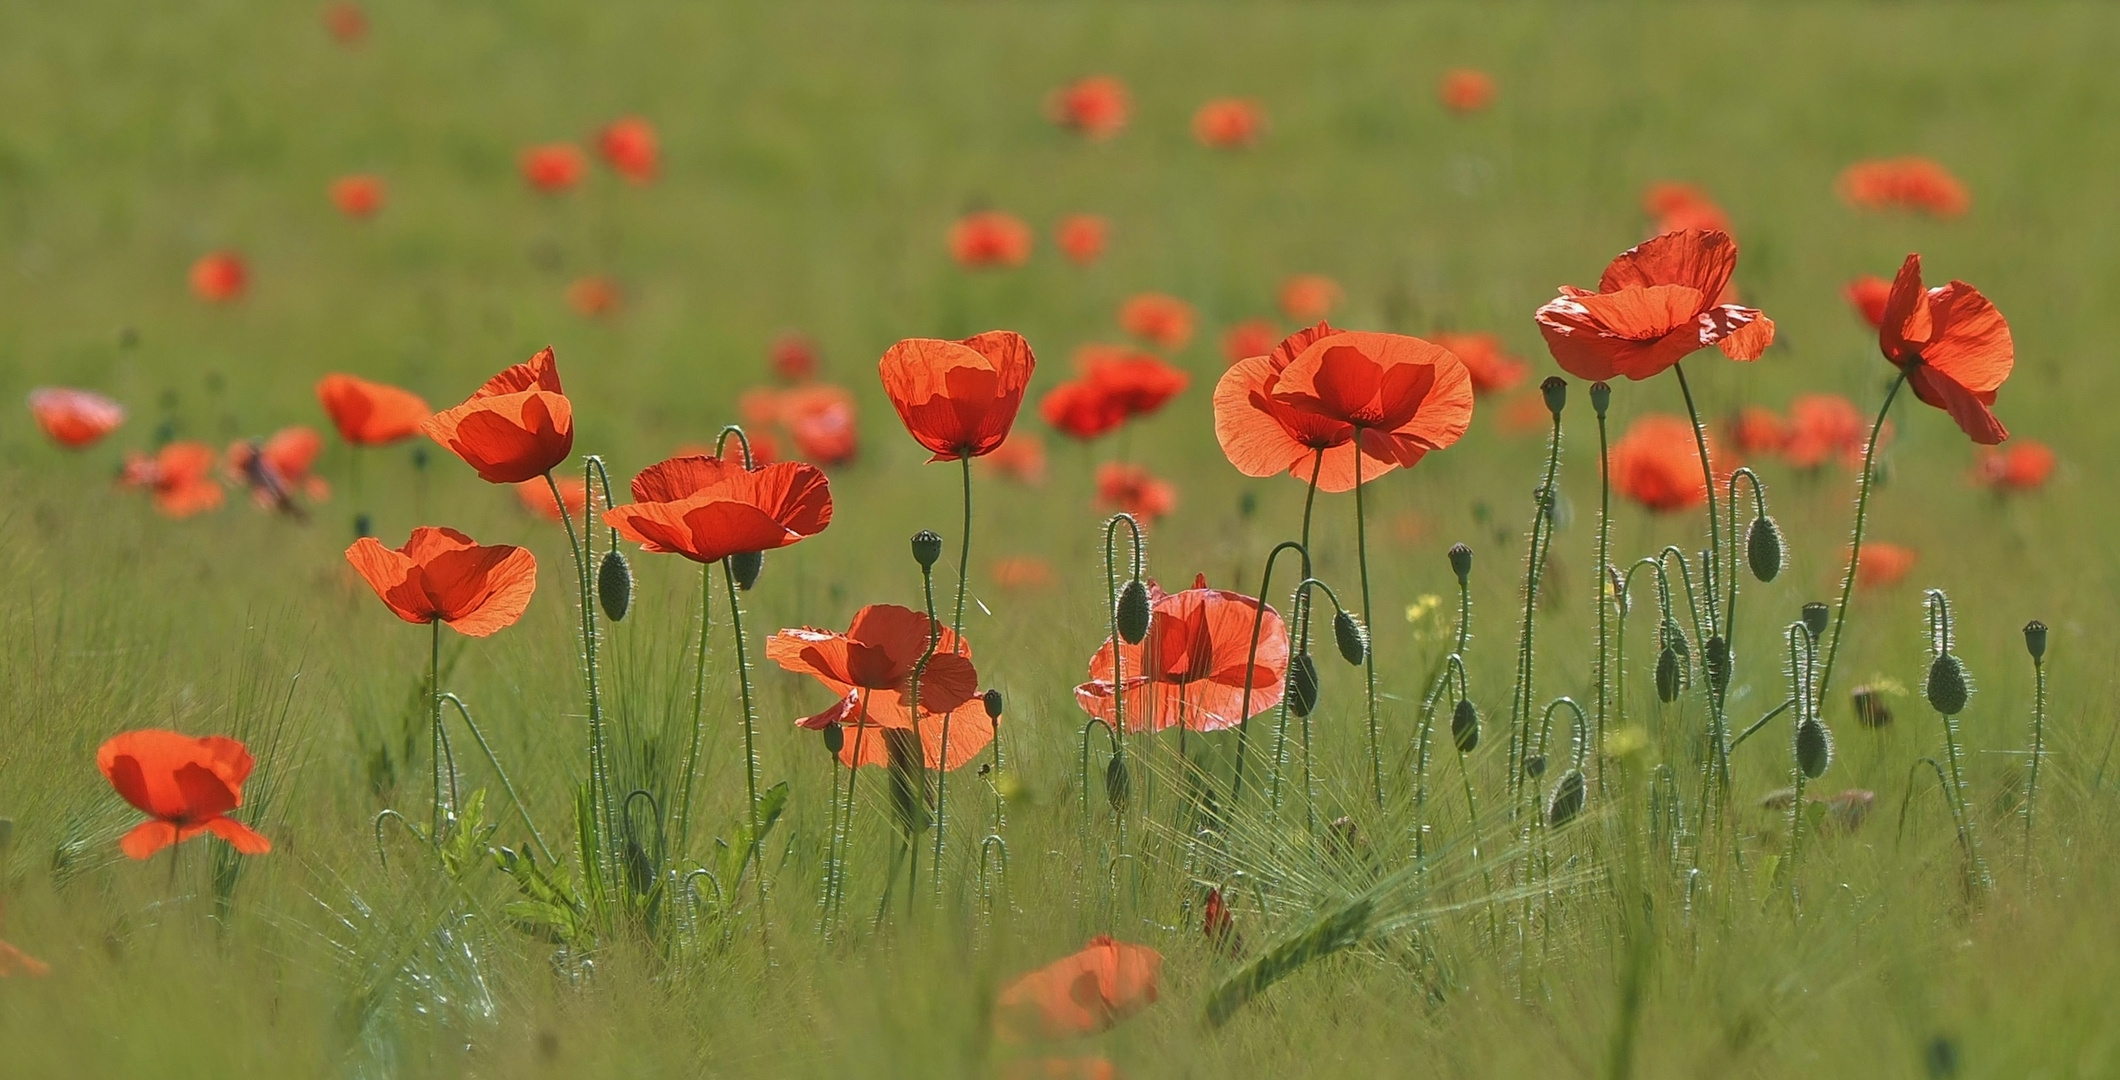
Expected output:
(1021, 573)
(346, 23)
(74, 418)
(1657, 464)
(1097, 106)
(1127, 488)
(1867, 295)
(794, 357)
(630, 146)
(220, 277)
(1252, 337)
(1229, 123)
(1678, 206)
(554, 167)
(1020, 457)
(1493, 370)
(593, 296)
(536, 497)
(990, 238)
(1884, 565)
(1081, 237)
(1466, 90)
(2023, 465)
(1914, 183)
(179, 476)
(359, 195)
(1162, 320)
(1309, 298)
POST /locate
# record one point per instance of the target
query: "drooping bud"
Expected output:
(1947, 690)
(992, 700)
(1600, 397)
(1302, 684)
(744, 567)
(1461, 563)
(927, 548)
(1535, 765)
(1715, 657)
(640, 869)
(1763, 548)
(1567, 799)
(1814, 748)
(1555, 391)
(1118, 783)
(1132, 613)
(614, 584)
(1351, 638)
(1870, 707)
(1675, 639)
(2035, 639)
(834, 738)
(1667, 673)
(1465, 726)
(1815, 615)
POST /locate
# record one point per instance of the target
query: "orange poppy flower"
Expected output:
(593, 296)
(346, 23)
(1133, 383)
(1082, 236)
(180, 476)
(990, 238)
(2023, 465)
(1867, 295)
(1679, 206)
(1228, 123)
(1757, 430)
(1308, 298)
(1321, 388)
(1021, 572)
(74, 418)
(878, 654)
(441, 574)
(1954, 347)
(794, 357)
(1909, 182)
(958, 398)
(629, 145)
(971, 729)
(1884, 565)
(370, 413)
(554, 167)
(277, 469)
(1190, 669)
(358, 196)
(1080, 409)
(707, 508)
(186, 785)
(1252, 337)
(1161, 320)
(1021, 458)
(1096, 106)
(819, 418)
(1083, 994)
(1657, 464)
(1123, 487)
(516, 427)
(536, 497)
(220, 277)
(1466, 90)
(1493, 371)
(1824, 427)
(1655, 304)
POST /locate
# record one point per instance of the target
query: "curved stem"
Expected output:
(1524, 694)
(1251, 658)
(1862, 509)
(699, 708)
(2031, 786)
(507, 785)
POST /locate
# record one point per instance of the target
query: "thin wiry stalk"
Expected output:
(2031, 784)
(1522, 694)
(699, 708)
(1603, 576)
(750, 755)
(1251, 657)
(1369, 657)
(599, 773)
(1862, 509)
(1707, 474)
(942, 774)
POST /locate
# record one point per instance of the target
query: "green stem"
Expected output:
(1602, 572)
(507, 785)
(750, 755)
(1524, 694)
(2031, 785)
(1862, 508)
(599, 776)
(434, 714)
(1707, 475)
(1369, 655)
(942, 770)
(699, 708)
(1251, 659)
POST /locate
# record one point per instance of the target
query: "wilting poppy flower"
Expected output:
(1096, 106)
(443, 575)
(630, 146)
(1911, 182)
(1308, 298)
(370, 413)
(186, 785)
(1322, 388)
(1655, 304)
(1826, 427)
(1493, 371)
(593, 296)
(1081, 236)
(958, 398)
(536, 496)
(1083, 994)
(346, 23)
(1252, 337)
(794, 357)
(1883, 564)
(554, 167)
(2021, 466)
(1678, 206)
(277, 469)
(1017, 572)
(990, 238)
(357, 196)
(180, 475)
(517, 426)
(1954, 347)
(707, 509)
(1228, 123)
(1191, 668)
(1161, 320)
(1657, 464)
(878, 654)
(74, 418)
(219, 277)
(1020, 458)
(819, 418)
(1867, 295)
(1127, 488)
(1756, 430)
(1466, 90)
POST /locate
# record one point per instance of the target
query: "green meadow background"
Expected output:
(814, 158)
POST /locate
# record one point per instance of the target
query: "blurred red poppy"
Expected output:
(358, 196)
(220, 277)
(14, 960)
(958, 398)
(1525, 413)
(1657, 464)
(1466, 90)
(346, 23)
(1757, 430)
(1655, 304)
(1020, 458)
(554, 167)
(277, 469)
(1097, 106)
(370, 413)
(629, 145)
(186, 785)
(1021, 572)
(1915, 183)
(819, 418)
(878, 654)
(1083, 994)
(536, 496)
(1124, 487)
(2024, 465)
(1954, 347)
(1252, 337)
(594, 296)
(443, 575)
(1493, 371)
(1678, 206)
(1826, 427)
(1308, 298)
(1228, 123)
(1133, 383)
(1161, 320)
(516, 427)
(990, 238)
(1080, 409)
(794, 357)
(180, 476)
(1884, 565)
(1867, 295)
(74, 418)
(1081, 237)
(1191, 667)
(707, 509)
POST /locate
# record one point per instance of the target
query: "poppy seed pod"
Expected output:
(1132, 613)
(1118, 783)
(1351, 638)
(1465, 726)
(1567, 799)
(1947, 690)
(1555, 391)
(2035, 639)
(1763, 548)
(614, 584)
(834, 738)
(1461, 563)
(1302, 685)
(744, 567)
(1814, 748)
(992, 701)
(1870, 707)
(1667, 675)
(927, 548)
(1600, 397)
(1815, 615)
(1715, 657)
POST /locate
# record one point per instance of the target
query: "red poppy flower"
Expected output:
(630, 146)
(794, 357)
(220, 277)
(1757, 430)
(1678, 206)
(1656, 304)
(593, 297)
(74, 418)
(820, 420)
(1493, 371)
(990, 238)
(1158, 319)
(1466, 90)
(970, 728)
(1252, 337)
(358, 196)
(878, 654)
(2023, 465)
(370, 413)
(441, 574)
(958, 398)
(1657, 464)
(277, 469)
(1081, 236)
(554, 167)
(1825, 427)
(1127, 488)
(346, 23)
(1322, 387)
(1884, 565)
(1308, 298)
(707, 509)
(1954, 347)
(1080, 409)
(180, 476)
(517, 426)
(1083, 994)
(1190, 669)
(1134, 383)
(536, 497)
(1910, 182)
(1228, 124)
(1021, 572)
(186, 785)
(1021, 458)
(1096, 106)
(1867, 295)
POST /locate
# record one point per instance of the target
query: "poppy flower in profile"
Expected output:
(1678, 206)
(1019, 573)
(1493, 370)
(1466, 90)
(1324, 396)
(1080, 409)
(1884, 565)
(276, 470)
(180, 476)
(370, 413)
(1096, 105)
(629, 145)
(536, 497)
(1252, 337)
(1191, 668)
(1913, 183)
(443, 575)
(1020, 458)
(1826, 427)
(1954, 347)
(1757, 430)
(74, 418)
(593, 297)
(2023, 465)
(220, 277)
(1123, 487)
(986, 239)
(794, 357)
(554, 167)
(878, 655)
(516, 427)
(1308, 298)
(1228, 124)
(819, 419)
(1132, 383)
(707, 508)
(1161, 320)
(1657, 464)
(958, 398)
(346, 23)
(1867, 295)
(358, 196)
(1081, 237)
(186, 785)
(1655, 305)
(1083, 994)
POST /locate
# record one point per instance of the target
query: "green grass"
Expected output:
(814, 157)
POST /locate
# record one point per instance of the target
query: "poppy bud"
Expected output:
(419, 456)
(640, 870)
(1763, 548)
(1302, 685)
(1465, 726)
(1247, 504)
(1555, 391)
(2035, 639)
(1348, 635)
(363, 525)
(1118, 783)
(1461, 563)
(1814, 748)
(1535, 765)
(834, 738)
(1675, 639)
(1870, 708)
(1715, 657)
(1815, 615)
(1132, 615)
(992, 701)
(927, 548)
(1667, 675)
(1600, 397)
(614, 584)
(1567, 800)
(1947, 689)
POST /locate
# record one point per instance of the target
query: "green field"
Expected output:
(814, 158)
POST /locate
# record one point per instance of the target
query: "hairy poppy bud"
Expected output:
(927, 548)
(1815, 615)
(1535, 765)
(1870, 708)
(1947, 689)
(640, 869)
(1461, 563)
(1118, 783)
(1675, 639)
(1814, 748)
(1600, 397)
(744, 567)
(2035, 639)
(1715, 657)
(363, 525)
(992, 700)
(834, 738)
(1763, 548)
(1667, 675)
(1555, 391)
(1302, 685)
(614, 584)
(1465, 726)
(1567, 799)
(1132, 614)
(1349, 636)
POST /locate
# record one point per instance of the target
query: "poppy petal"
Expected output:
(146, 838)
(239, 836)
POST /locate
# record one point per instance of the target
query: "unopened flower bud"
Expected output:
(1349, 636)
(1132, 613)
(2035, 639)
(1555, 391)
(1715, 657)
(992, 701)
(1814, 748)
(1534, 765)
(1567, 799)
(1461, 563)
(927, 548)
(1118, 783)
(1763, 548)
(614, 584)
(1302, 685)
(744, 567)
(1667, 675)
(1465, 726)
(1815, 615)
(1947, 690)
(834, 738)
(1600, 397)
